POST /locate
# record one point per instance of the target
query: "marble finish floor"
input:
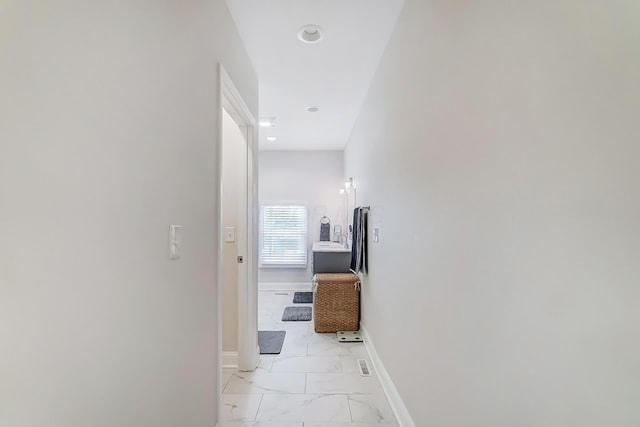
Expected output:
(313, 382)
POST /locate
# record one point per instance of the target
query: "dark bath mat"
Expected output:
(303, 298)
(296, 314)
(270, 342)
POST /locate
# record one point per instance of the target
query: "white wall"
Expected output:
(108, 127)
(313, 178)
(233, 183)
(498, 146)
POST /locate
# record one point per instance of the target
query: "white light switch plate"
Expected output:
(175, 239)
(376, 235)
(230, 234)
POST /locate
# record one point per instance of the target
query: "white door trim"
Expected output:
(248, 352)
(229, 360)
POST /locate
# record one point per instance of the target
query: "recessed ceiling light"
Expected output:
(310, 34)
(267, 122)
(271, 138)
(312, 109)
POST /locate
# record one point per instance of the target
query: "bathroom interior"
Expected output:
(316, 181)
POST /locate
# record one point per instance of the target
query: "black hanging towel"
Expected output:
(325, 229)
(359, 242)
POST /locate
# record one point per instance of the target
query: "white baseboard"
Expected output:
(283, 286)
(230, 359)
(397, 405)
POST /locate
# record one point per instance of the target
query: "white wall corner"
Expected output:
(397, 405)
(230, 359)
(284, 286)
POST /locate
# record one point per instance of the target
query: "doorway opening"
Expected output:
(237, 230)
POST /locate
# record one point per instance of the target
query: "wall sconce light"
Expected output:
(349, 184)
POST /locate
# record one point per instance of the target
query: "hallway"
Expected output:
(496, 144)
(314, 382)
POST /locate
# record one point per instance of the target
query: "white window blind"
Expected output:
(283, 236)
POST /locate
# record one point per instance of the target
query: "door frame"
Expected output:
(248, 351)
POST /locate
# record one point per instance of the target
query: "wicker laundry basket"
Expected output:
(336, 302)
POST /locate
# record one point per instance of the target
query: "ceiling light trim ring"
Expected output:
(310, 34)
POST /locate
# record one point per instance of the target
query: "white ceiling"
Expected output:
(333, 75)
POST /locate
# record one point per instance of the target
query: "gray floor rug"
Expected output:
(296, 314)
(270, 342)
(303, 298)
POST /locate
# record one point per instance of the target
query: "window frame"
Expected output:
(304, 236)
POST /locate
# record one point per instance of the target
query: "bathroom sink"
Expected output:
(329, 247)
(330, 257)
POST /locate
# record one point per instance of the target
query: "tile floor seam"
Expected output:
(258, 411)
(226, 384)
(349, 408)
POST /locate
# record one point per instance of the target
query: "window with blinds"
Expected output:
(283, 236)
